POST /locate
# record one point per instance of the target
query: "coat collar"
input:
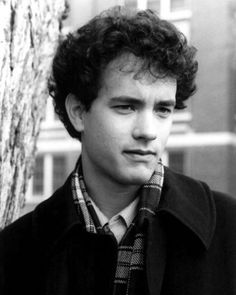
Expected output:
(191, 202)
(56, 217)
(188, 200)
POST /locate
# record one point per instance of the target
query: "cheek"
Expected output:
(102, 135)
(113, 128)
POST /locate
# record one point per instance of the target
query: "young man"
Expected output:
(123, 223)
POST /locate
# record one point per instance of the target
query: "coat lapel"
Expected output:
(191, 203)
(155, 256)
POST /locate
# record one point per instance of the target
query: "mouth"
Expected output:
(140, 155)
(140, 152)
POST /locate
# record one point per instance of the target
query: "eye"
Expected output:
(163, 112)
(124, 108)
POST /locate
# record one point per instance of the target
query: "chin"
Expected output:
(137, 179)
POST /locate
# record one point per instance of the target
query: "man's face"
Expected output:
(127, 126)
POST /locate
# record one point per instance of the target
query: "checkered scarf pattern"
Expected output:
(129, 278)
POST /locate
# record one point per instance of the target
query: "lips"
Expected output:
(140, 152)
(140, 155)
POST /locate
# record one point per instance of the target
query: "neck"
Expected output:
(109, 196)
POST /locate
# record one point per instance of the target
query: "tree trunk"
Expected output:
(29, 31)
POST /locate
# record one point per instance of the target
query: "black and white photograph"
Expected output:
(118, 147)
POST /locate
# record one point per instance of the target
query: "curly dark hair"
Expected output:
(83, 55)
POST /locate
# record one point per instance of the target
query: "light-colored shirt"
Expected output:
(119, 223)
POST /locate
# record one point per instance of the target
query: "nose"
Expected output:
(145, 127)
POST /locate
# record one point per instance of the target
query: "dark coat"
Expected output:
(191, 247)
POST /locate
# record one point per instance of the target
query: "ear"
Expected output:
(75, 110)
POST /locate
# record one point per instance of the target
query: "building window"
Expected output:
(179, 5)
(59, 171)
(38, 188)
(177, 161)
(143, 4)
(179, 13)
(131, 4)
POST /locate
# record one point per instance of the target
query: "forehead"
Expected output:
(125, 64)
(126, 74)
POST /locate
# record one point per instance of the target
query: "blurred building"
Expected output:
(203, 140)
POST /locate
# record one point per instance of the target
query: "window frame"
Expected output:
(165, 12)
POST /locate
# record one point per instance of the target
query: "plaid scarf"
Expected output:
(129, 277)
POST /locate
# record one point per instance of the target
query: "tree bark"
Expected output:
(29, 30)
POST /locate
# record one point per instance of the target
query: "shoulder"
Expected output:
(225, 201)
(21, 231)
(224, 204)
(185, 185)
(181, 180)
(16, 245)
(19, 228)
(45, 224)
(225, 210)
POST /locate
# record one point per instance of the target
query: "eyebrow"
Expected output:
(134, 100)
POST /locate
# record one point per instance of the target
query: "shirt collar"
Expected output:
(127, 214)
